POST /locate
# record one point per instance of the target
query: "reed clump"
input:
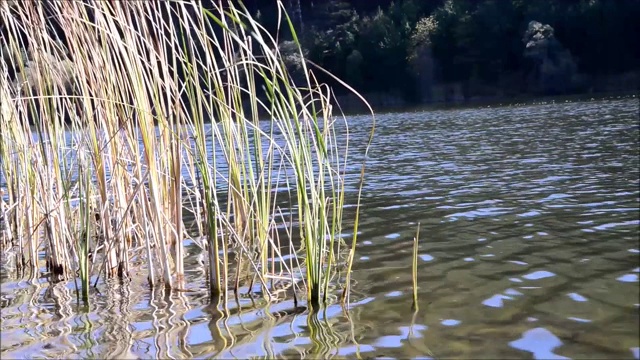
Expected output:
(119, 120)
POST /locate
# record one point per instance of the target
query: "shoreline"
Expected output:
(351, 109)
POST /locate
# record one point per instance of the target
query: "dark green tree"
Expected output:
(410, 46)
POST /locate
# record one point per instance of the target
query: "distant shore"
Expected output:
(353, 106)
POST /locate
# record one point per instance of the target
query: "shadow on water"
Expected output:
(529, 248)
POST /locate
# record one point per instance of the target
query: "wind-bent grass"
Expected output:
(146, 111)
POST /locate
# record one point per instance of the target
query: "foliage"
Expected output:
(553, 66)
(477, 43)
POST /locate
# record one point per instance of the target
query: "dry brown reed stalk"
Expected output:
(146, 111)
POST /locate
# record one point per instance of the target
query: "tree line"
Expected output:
(440, 50)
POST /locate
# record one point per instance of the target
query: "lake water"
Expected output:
(528, 249)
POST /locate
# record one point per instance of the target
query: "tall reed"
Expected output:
(414, 269)
(113, 114)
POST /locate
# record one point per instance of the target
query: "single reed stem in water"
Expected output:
(415, 269)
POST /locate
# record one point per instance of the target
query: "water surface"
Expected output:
(528, 249)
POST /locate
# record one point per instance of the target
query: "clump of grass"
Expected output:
(103, 159)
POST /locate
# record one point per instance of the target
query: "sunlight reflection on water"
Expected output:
(540, 342)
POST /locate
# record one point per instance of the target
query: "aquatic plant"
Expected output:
(414, 269)
(120, 120)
